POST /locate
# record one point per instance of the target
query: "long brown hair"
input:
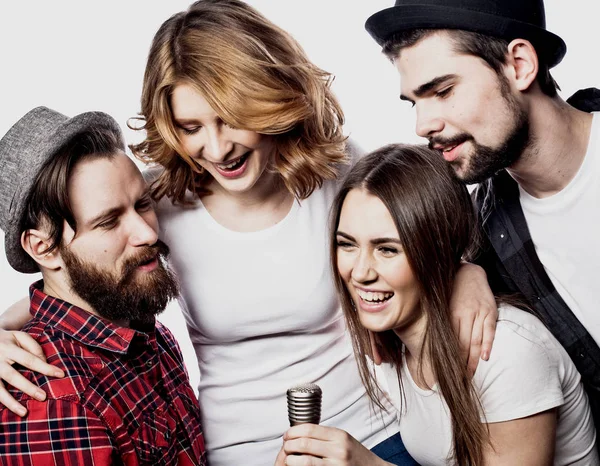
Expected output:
(435, 220)
(256, 77)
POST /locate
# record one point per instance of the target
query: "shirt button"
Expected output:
(502, 236)
(167, 435)
(149, 363)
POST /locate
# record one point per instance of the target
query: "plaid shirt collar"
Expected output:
(89, 329)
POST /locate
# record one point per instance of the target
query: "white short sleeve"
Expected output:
(522, 377)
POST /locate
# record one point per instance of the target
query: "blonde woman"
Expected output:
(247, 139)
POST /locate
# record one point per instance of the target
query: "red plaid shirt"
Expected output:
(125, 399)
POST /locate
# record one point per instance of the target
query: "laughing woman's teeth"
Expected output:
(234, 164)
(231, 165)
(374, 296)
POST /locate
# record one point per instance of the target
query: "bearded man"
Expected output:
(74, 207)
(478, 74)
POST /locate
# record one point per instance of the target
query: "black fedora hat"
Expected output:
(506, 19)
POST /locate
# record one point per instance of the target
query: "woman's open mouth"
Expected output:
(373, 301)
(233, 168)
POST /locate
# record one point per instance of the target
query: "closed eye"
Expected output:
(108, 224)
(444, 92)
(144, 205)
(388, 250)
(190, 131)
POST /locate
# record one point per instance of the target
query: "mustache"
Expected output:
(451, 141)
(146, 254)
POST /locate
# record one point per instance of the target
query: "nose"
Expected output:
(429, 122)
(217, 145)
(143, 229)
(363, 270)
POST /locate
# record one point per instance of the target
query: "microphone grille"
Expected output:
(306, 388)
(304, 404)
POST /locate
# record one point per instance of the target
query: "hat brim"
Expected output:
(35, 159)
(385, 23)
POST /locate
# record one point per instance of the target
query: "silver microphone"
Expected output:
(304, 404)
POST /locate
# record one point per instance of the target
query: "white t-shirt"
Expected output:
(263, 316)
(528, 372)
(565, 229)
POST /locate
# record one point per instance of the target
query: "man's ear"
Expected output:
(523, 64)
(36, 244)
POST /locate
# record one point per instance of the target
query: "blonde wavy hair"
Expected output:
(256, 77)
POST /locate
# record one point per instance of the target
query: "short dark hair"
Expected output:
(490, 49)
(48, 202)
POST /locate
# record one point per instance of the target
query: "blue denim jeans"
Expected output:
(393, 451)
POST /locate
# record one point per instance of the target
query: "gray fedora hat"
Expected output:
(506, 19)
(24, 151)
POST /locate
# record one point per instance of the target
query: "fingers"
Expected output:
(20, 348)
(464, 328)
(483, 332)
(475, 348)
(311, 439)
(328, 443)
(489, 333)
(314, 445)
(314, 431)
(12, 377)
(280, 460)
(7, 400)
(306, 446)
(27, 342)
(294, 460)
(12, 354)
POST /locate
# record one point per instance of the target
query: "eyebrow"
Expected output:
(374, 242)
(429, 86)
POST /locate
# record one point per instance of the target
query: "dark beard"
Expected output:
(127, 297)
(487, 161)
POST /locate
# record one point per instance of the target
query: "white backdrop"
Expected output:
(81, 55)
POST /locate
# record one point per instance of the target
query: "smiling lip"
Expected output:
(149, 266)
(370, 306)
(239, 171)
(450, 155)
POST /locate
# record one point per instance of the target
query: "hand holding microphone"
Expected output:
(328, 445)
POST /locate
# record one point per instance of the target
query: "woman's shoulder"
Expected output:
(520, 336)
(525, 371)
(516, 326)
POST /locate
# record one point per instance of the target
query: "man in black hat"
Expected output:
(478, 74)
